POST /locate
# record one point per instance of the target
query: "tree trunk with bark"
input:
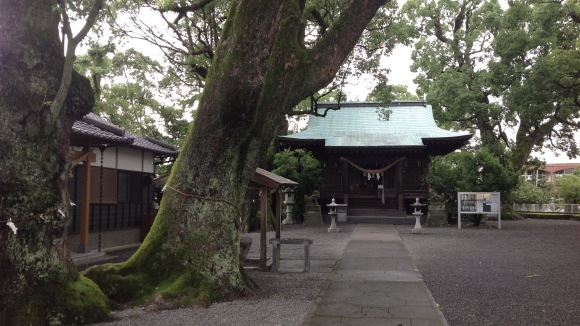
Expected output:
(39, 283)
(260, 72)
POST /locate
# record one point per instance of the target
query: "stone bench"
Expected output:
(276, 243)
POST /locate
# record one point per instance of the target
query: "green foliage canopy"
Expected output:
(488, 69)
(130, 88)
(569, 188)
(537, 74)
(386, 93)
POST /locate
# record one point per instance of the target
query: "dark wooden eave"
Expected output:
(445, 145)
(270, 180)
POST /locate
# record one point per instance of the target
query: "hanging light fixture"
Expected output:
(369, 176)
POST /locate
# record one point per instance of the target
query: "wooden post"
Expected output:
(399, 185)
(345, 182)
(278, 212)
(263, 224)
(85, 205)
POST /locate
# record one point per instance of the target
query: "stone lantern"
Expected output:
(333, 213)
(289, 202)
(417, 213)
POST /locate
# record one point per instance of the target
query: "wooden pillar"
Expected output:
(345, 182)
(399, 184)
(278, 212)
(85, 205)
(263, 223)
(383, 188)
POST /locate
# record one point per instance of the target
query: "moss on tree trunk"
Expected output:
(39, 284)
(260, 71)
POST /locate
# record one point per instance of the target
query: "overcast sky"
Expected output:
(399, 63)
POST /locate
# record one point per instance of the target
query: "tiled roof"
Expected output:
(88, 128)
(102, 131)
(154, 145)
(359, 125)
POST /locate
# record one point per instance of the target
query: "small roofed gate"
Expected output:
(267, 182)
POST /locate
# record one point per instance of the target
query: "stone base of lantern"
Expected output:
(289, 213)
(289, 220)
(417, 229)
(333, 228)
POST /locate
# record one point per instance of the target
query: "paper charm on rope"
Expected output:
(369, 173)
(12, 226)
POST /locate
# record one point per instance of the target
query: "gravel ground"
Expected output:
(282, 298)
(527, 273)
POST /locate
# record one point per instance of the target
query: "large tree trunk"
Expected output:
(259, 73)
(39, 284)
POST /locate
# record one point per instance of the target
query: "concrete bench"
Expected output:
(276, 243)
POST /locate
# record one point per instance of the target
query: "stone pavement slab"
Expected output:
(375, 283)
(297, 266)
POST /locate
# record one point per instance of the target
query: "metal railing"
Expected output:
(112, 216)
(548, 208)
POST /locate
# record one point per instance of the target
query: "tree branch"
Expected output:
(333, 48)
(319, 20)
(72, 42)
(182, 11)
(574, 16)
(313, 110)
(439, 30)
(459, 19)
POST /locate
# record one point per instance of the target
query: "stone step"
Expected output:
(374, 203)
(374, 212)
(396, 220)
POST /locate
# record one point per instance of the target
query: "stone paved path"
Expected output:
(375, 283)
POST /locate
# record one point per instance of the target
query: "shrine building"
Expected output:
(374, 156)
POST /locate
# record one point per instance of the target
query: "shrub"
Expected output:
(299, 165)
(527, 193)
(478, 171)
(569, 188)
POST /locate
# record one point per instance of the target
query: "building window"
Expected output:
(108, 195)
(131, 186)
(124, 180)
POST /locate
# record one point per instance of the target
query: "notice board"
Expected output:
(478, 203)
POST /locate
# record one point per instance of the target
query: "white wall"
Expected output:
(124, 158)
(148, 162)
(109, 157)
(130, 159)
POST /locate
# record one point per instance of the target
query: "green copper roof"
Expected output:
(359, 125)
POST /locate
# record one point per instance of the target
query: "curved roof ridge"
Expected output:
(103, 131)
(361, 126)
